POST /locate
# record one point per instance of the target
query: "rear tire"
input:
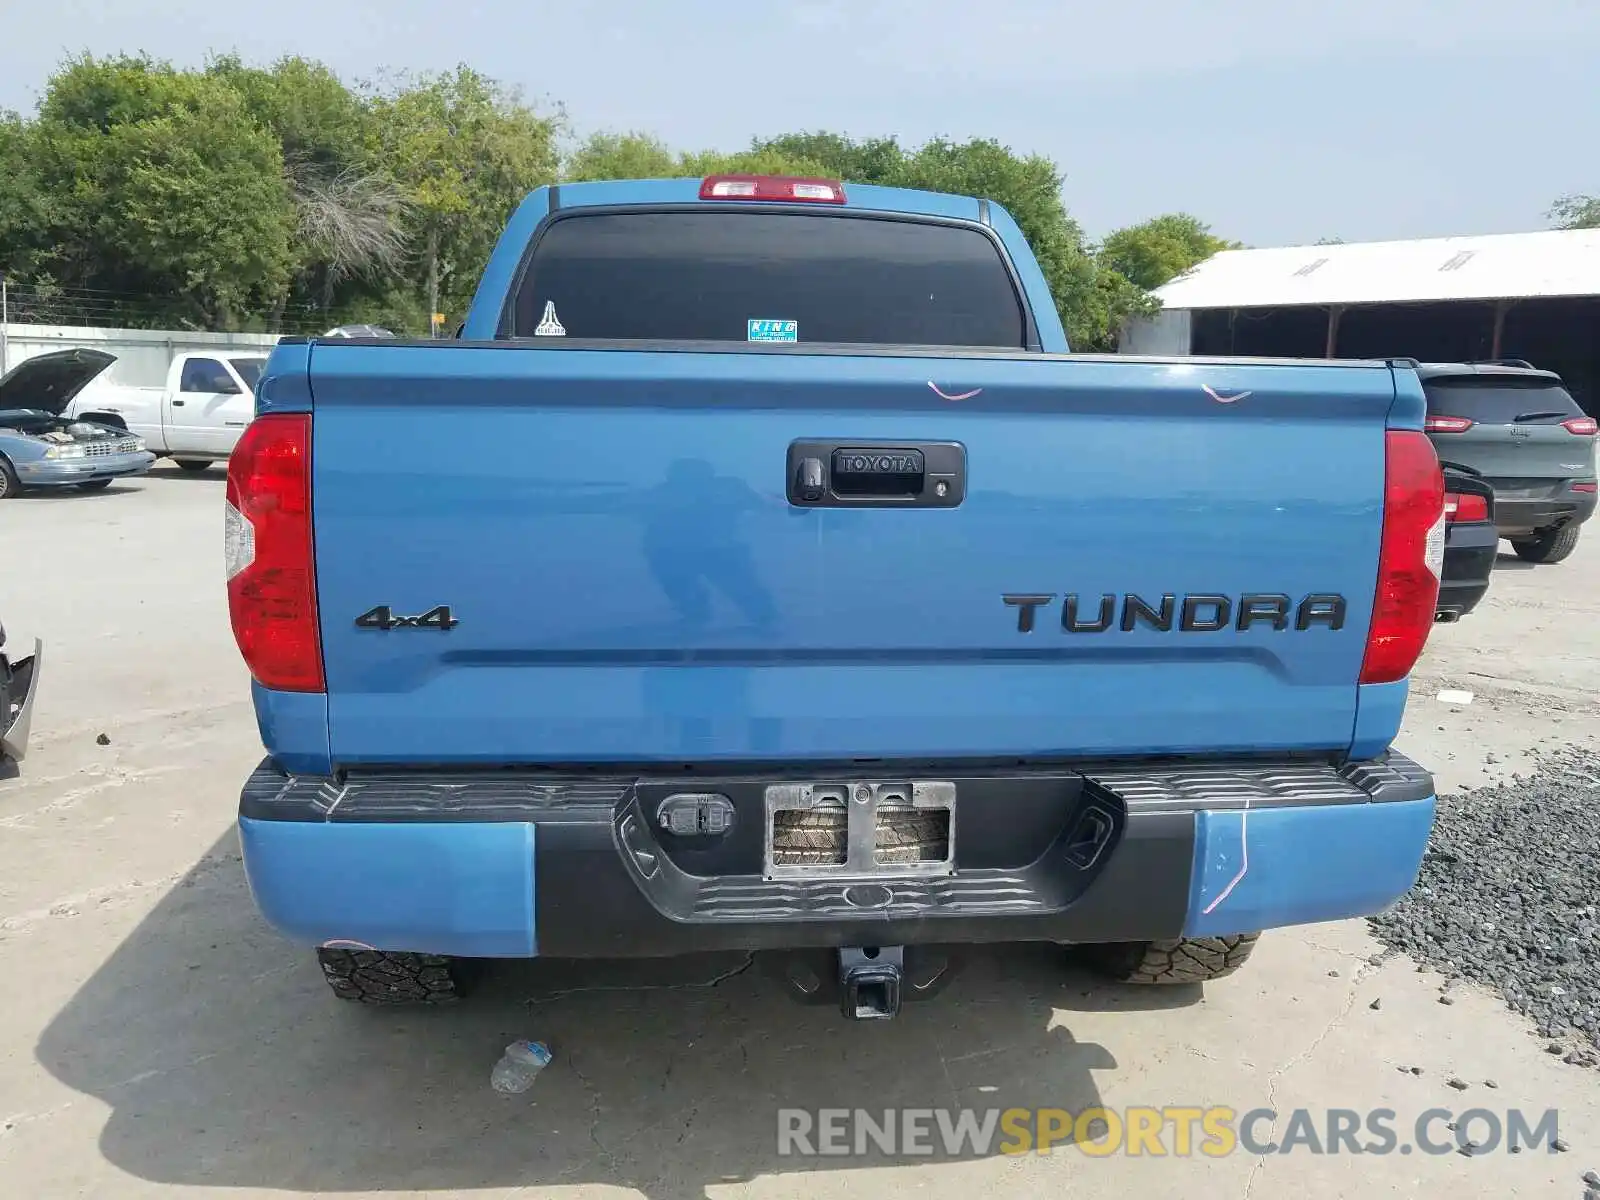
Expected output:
(1550, 547)
(1173, 960)
(193, 465)
(391, 978)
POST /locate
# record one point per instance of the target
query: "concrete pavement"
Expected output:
(160, 1041)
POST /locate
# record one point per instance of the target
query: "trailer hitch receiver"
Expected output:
(869, 982)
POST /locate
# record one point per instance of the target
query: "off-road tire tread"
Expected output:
(390, 978)
(819, 838)
(1175, 960)
(921, 837)
(1548, 547)
(811, 837)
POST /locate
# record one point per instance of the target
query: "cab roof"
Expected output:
(860, 197)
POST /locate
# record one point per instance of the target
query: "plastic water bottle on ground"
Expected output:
(514, 1072)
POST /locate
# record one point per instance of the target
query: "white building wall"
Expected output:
(143, 355)
(1165, 334)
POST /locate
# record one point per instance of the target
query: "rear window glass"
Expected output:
(706, 276)
(1500, 401)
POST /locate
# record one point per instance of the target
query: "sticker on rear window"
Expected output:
(549, 325)
(772, 331)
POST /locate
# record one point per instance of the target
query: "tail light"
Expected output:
(272, 586)
(1582, 426)
(772, 187)
(1447, 424)
(1465, 507)
(1410, 558)
(1585, 487)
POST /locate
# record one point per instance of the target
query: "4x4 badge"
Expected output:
(384, 617)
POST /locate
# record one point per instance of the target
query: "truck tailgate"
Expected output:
(612, 534)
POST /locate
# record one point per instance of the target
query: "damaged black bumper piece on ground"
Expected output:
(19, 683)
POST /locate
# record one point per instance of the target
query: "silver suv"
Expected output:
(1519, 429)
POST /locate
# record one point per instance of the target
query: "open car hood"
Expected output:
(48, 382)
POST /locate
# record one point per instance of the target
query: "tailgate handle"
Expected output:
(871, 471)
(853, 474)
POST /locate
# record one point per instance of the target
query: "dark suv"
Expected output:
(1520, 430)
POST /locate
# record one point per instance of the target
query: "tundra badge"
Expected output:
(1194, 613)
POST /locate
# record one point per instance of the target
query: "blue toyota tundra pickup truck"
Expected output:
(758, 571)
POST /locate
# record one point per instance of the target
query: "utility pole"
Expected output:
(1335, 314)
(5, 321)
(1498, 337)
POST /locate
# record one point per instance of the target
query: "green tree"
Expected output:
(623, 156)
(1116, 300)
(28, 209)
(758, 161)
(464, 152)
(1157, 251)
(350, 215)
(165, 194)
(315, 116)
(640, 156)
(875, 160)
(233, 194)
(1133, 262)
(1576, 212)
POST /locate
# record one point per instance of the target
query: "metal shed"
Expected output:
(1533, 296)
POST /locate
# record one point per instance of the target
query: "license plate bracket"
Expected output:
(859, 829)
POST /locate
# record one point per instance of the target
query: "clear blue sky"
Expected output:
(1277, 122)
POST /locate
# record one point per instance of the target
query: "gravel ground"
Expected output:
(1508, 896)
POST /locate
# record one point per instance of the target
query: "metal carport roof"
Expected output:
(1510, 266)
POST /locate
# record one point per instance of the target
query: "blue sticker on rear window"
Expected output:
(772, 331)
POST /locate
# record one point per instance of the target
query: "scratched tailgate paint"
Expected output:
(612, 534)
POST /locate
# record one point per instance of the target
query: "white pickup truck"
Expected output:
(196, 419)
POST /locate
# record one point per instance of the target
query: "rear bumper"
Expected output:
(1469, 555)
(514, 864)
(1515, 517)
(19, 687)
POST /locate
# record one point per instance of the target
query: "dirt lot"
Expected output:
(160, 1041)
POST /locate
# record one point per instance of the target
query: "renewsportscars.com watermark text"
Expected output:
(1171, 1131)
